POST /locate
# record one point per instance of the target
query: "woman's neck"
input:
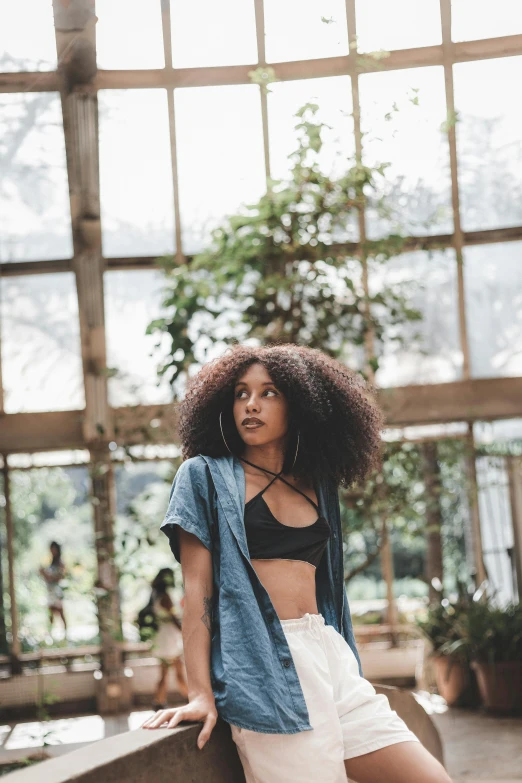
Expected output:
(271, 459)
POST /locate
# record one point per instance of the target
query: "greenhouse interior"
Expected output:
(177, 178)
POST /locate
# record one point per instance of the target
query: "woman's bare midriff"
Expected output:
(290, 585)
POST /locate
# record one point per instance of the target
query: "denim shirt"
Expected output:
(253, 676)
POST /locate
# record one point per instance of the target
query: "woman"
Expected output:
(53, 575)
(268, 436)
(168, 642)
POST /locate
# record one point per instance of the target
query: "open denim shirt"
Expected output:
(254, 680)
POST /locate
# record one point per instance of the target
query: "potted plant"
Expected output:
(444, 627)
(494, 637)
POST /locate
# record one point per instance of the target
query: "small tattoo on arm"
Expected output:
(206, 619)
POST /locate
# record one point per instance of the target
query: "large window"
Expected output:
(35, 221)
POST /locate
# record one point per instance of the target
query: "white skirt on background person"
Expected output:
(168, 642)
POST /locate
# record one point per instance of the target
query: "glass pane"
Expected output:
(128, 34)
(220, 156)
(496, 525)
(430, 352)
(489, 142)
(305, 29)
(142, 495)
(41, 358)
(135, 173)
(132, 301)
(206, 33)
(334, 98)
(401, 24)
(500, 431)
(474, 19)
(493, 286)
(53, 504)
(401, 117)
(35, 221)
(425, 431)
(27, 41)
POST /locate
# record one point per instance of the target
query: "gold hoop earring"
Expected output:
(297, 449)
(223, 434)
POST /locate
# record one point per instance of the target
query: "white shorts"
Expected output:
(347, 716)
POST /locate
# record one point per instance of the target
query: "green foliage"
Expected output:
(444, 625)
(475, 630)
(263, 76)
(395, 494)
(52, 504)
(280, 270)
(141, 549)
(494, 634)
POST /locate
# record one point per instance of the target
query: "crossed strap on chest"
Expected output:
(278, 476)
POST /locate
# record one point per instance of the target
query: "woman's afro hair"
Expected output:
(331, 406)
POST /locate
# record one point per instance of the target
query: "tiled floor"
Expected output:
(481, 747)
(477, 746)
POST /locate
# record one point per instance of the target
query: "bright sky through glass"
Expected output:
(135, 173)
(27, 40)
(128, 34)
(489, 142)
(333, 95)
(401, 117)
(220, 156)
(41, 360)
(210, 33)
(397, 24)
(305, 29)
(35, 221)
(475, 19)
(132, 300)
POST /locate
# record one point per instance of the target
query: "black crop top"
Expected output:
(268, 538)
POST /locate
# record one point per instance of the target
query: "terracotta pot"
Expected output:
(500, 685)
(452, 677)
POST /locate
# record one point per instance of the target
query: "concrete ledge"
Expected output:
(142, 756)
(170, 755)
(415, 717)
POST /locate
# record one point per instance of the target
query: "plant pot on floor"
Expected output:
(452, 677)
(500, 685)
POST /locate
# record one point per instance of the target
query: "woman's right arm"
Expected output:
(196, 566)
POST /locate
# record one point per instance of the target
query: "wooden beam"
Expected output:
(477, 399)
(514, 471)
(13, 612)
(458, 239)
(30, 81)
(411, 244)
(76, 46)
(485, 49)
(22, 433)
(464, 51)
(474, 399)
(49, 266)
(167, 48)
(259, 9)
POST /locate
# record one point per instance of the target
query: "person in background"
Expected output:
(53, 575)
(168, 642)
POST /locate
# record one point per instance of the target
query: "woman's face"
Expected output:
(257, 397)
